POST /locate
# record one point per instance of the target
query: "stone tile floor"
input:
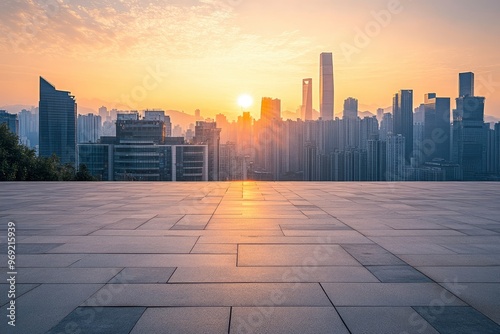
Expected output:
(253, 257)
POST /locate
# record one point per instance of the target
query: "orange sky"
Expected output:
(188, 54)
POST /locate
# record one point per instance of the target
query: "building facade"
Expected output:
(326, 87)
(57, 113)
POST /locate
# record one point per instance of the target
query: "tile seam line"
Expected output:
(331, 302)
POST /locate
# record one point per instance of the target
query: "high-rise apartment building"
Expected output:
(395, 163)
(89, 128)
(28, 127)
(326, 87)
(57, 112)
(350, 108)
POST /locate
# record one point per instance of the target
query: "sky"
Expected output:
(204, 54)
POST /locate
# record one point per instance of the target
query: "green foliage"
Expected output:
(83, 174)
(20, 163)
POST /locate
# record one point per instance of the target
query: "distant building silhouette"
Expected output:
(395, 164)
(89, 128)
(466, 84)
(350, 108)
(57, 112)
(437, 130)
(326, 87)
(470, 137)
(307, 99)
(10, 120)
(403, 119)
(28, 127)
(207, 133)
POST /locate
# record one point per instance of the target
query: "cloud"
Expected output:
(134, 28)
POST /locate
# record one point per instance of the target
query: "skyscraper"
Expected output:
(326, 86)
(466, 84)
(10, 120)
(28, 127)
(207, 133)
(350, 108)
(57, 123)
(307, 99)
(89, 128)
(469, 144)
(270, 109)
(437, 136)
(395, 163)
(403, 119)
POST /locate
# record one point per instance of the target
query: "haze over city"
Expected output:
(187, 55)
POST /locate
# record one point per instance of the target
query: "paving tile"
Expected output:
(178, 246)
(127, 224)
(99, 320)
(384, 320)
(485, 297)
(271, 274)
(21, 289)
(467, 260)
(294, 255)
(123, 244)
(387, 294)
(155, 260)
(46, 305)
(315, 227)
(214, 249)
(458, 320)
(66, 275)
(398, 274)
(44, 260)
(142, 275)
(372, 255)
(235, 294)
(463, 274)
(183, 320)
(286, 320)
(30, 248)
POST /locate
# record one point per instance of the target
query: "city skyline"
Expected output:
(244, 57)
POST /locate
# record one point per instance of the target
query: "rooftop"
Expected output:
(251, 257)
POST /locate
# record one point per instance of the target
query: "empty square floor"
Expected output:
(252, 257)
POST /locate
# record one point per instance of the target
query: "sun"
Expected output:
(245, 101)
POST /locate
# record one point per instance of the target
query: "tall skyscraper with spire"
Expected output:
(326, 86)
(307, 99)
(57, 112)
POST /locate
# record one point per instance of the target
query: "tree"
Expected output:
(20, 163)
(16, 160)
(83, 174)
